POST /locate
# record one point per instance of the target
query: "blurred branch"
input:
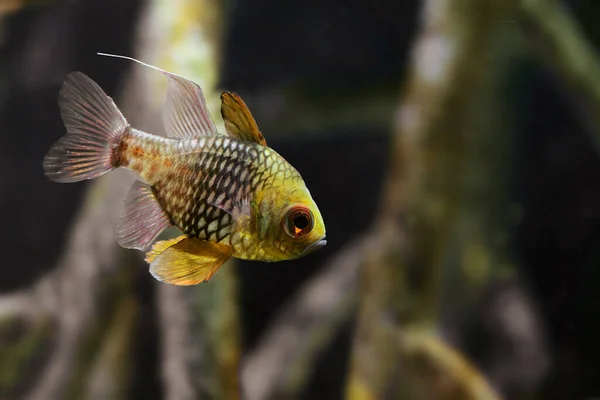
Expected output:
(70, 302)
(10, 6)
(402, 272)
(484, 307)
(200, 341)
(560, 37)
(505, 327)
(279, 366)
(15, 303)
(73, 293)
(440, 371)
(20, 353)
(110, 370)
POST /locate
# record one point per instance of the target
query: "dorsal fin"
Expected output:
(238, 119)
(186, 114)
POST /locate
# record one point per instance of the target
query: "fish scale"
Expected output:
(220, 170)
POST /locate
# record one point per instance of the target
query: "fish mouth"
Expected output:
(315, 246)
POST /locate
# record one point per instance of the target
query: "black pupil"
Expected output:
(300, 221)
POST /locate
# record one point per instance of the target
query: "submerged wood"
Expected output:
(402, 273)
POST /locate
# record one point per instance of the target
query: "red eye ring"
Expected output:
(298, 222)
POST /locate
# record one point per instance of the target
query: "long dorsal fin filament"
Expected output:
(186, 114)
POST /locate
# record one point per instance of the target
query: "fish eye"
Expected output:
(299, 222)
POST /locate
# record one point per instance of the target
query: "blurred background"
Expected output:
(452, 148)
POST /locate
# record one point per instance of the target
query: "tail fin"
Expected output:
(95, 127)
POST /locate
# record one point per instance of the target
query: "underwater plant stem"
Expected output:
(201, 340)
(280, 365)
(553, 28)
(402, 272)
(75, 294)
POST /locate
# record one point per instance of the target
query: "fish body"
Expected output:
(230, 194)
(196, 181)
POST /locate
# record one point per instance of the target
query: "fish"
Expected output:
(229, 193)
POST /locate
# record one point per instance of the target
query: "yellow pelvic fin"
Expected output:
(238, 119)
(185, 261)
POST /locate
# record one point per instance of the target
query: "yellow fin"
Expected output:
(185, 261)
(238, 119)
(161, 246)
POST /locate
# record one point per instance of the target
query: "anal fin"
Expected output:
(186, 261)
(143, 218)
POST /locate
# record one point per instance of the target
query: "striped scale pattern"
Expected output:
(190, 177)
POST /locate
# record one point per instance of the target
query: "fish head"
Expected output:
(292, 223)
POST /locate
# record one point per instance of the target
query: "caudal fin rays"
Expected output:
(94, 126)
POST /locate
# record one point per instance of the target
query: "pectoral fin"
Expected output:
(186, 261)
(143, 218)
